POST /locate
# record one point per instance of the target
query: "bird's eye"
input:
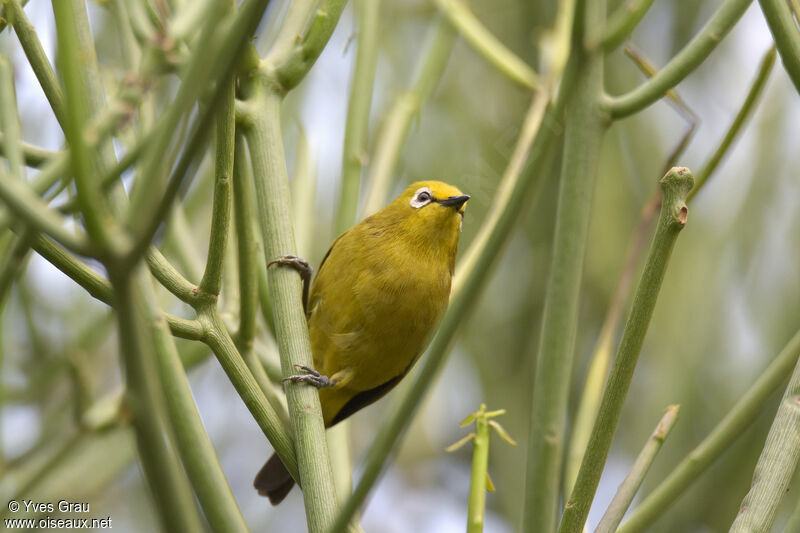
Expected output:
(422, 197)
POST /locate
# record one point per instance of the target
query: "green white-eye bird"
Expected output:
(374, 304)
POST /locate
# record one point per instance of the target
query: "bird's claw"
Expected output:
(301, 266)
(297, 263)
(310, 376)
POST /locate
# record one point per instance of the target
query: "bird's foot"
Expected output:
(301, 266)
(297, 263)
(310, 376)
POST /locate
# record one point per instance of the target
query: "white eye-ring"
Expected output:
(422, 197)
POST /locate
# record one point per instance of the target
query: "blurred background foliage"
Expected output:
(730, 301)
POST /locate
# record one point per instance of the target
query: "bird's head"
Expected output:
(433, 206)
(429, 213)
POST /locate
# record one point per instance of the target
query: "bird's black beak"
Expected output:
(455, 201)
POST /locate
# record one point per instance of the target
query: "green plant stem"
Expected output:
(627, 490)
(795, 4)
(4, 15)
(100, 288)
(272, 193)
(682, 64)
(246, 244)
(601, 356)
(34, 156)
(221, 343)
(305, 50)
(187, 18)
(222, 203)
(294, 22)
(703, 455)
(35, 213)
(94, 98)
(172, 280)
(480, 481)
(787, 36)
(675, 185)
(171, 491)
(37, 59)
(585, 127)
(9, 121)
(216, 65)
(204, 69)
(487, 45)
(73, 53)
(354, 154)
(745, 111)
(776, 465)
(535, 142)
(304, 195)
(105, 124)
(480, 471)
(131, 51)
(13, 258)
(621, 23)
(248, 276)
(602, 353)
(397, 122)
(674, 99)
(193, 445)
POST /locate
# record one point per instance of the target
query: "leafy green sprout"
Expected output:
(481, 481)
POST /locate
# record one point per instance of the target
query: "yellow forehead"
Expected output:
(439, 189)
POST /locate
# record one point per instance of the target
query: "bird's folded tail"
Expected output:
(273, 480)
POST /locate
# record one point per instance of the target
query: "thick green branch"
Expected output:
(585, 127)
(144, 402)
(786, 34)
(272, 193)
(675, 185)
(686, 61)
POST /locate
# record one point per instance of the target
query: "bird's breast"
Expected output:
(376, 321)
